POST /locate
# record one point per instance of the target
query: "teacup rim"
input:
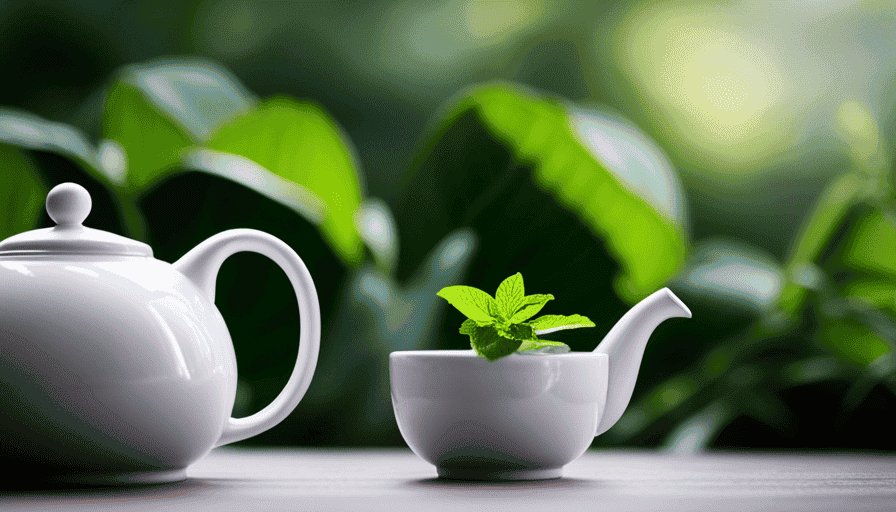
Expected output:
(471, 354)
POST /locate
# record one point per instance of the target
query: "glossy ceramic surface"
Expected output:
(116, 367)
(123, 355)
(518, 418)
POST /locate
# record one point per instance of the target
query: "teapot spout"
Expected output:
(625, 344)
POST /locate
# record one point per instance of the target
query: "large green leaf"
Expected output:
(152, 143)
(158, 109)
(831, 209)
(876, 293)
(167, 115)
(298, 141)
(21, 193)
(255, 177)
(732, 276)
(852, 341)
(873, 244)
(496, 140)
(29, 131)
(648, 243)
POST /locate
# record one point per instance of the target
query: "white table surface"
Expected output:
(395, 480)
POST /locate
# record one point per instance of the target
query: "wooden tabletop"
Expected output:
(393, 480)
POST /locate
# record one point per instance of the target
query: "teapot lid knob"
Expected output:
(69, 204)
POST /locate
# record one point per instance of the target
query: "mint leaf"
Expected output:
(542, 347)
(531, 305)
(468, 326)
(519, 332)
(472, 302)
(488, 342)
(510, 295)
(551, 323)
(497, 327)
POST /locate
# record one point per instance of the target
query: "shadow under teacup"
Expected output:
(522, 417)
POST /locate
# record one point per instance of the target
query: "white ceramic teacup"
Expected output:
(522, 417)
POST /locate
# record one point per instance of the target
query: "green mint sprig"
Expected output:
(500, 326)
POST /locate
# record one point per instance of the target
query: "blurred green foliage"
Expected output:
(529, 140)
(608, 149)
(299, 142)
(22, 195)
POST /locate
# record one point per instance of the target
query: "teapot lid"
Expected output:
(68, 205)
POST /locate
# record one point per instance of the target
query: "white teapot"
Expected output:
(116, 367)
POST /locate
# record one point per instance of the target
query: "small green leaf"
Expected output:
(520, 332)
(488, 343)
(510, 294)
(492, 335)
(531, 305)
(468, 326)
(472, 302)
(551, 323)
(543, 347)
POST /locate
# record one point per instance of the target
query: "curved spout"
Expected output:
(625, 344)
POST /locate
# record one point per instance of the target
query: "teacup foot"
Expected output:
(493, 474)
(163, 476)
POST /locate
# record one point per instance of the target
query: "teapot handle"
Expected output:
(201, 266)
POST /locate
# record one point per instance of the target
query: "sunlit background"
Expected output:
(738, 152)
